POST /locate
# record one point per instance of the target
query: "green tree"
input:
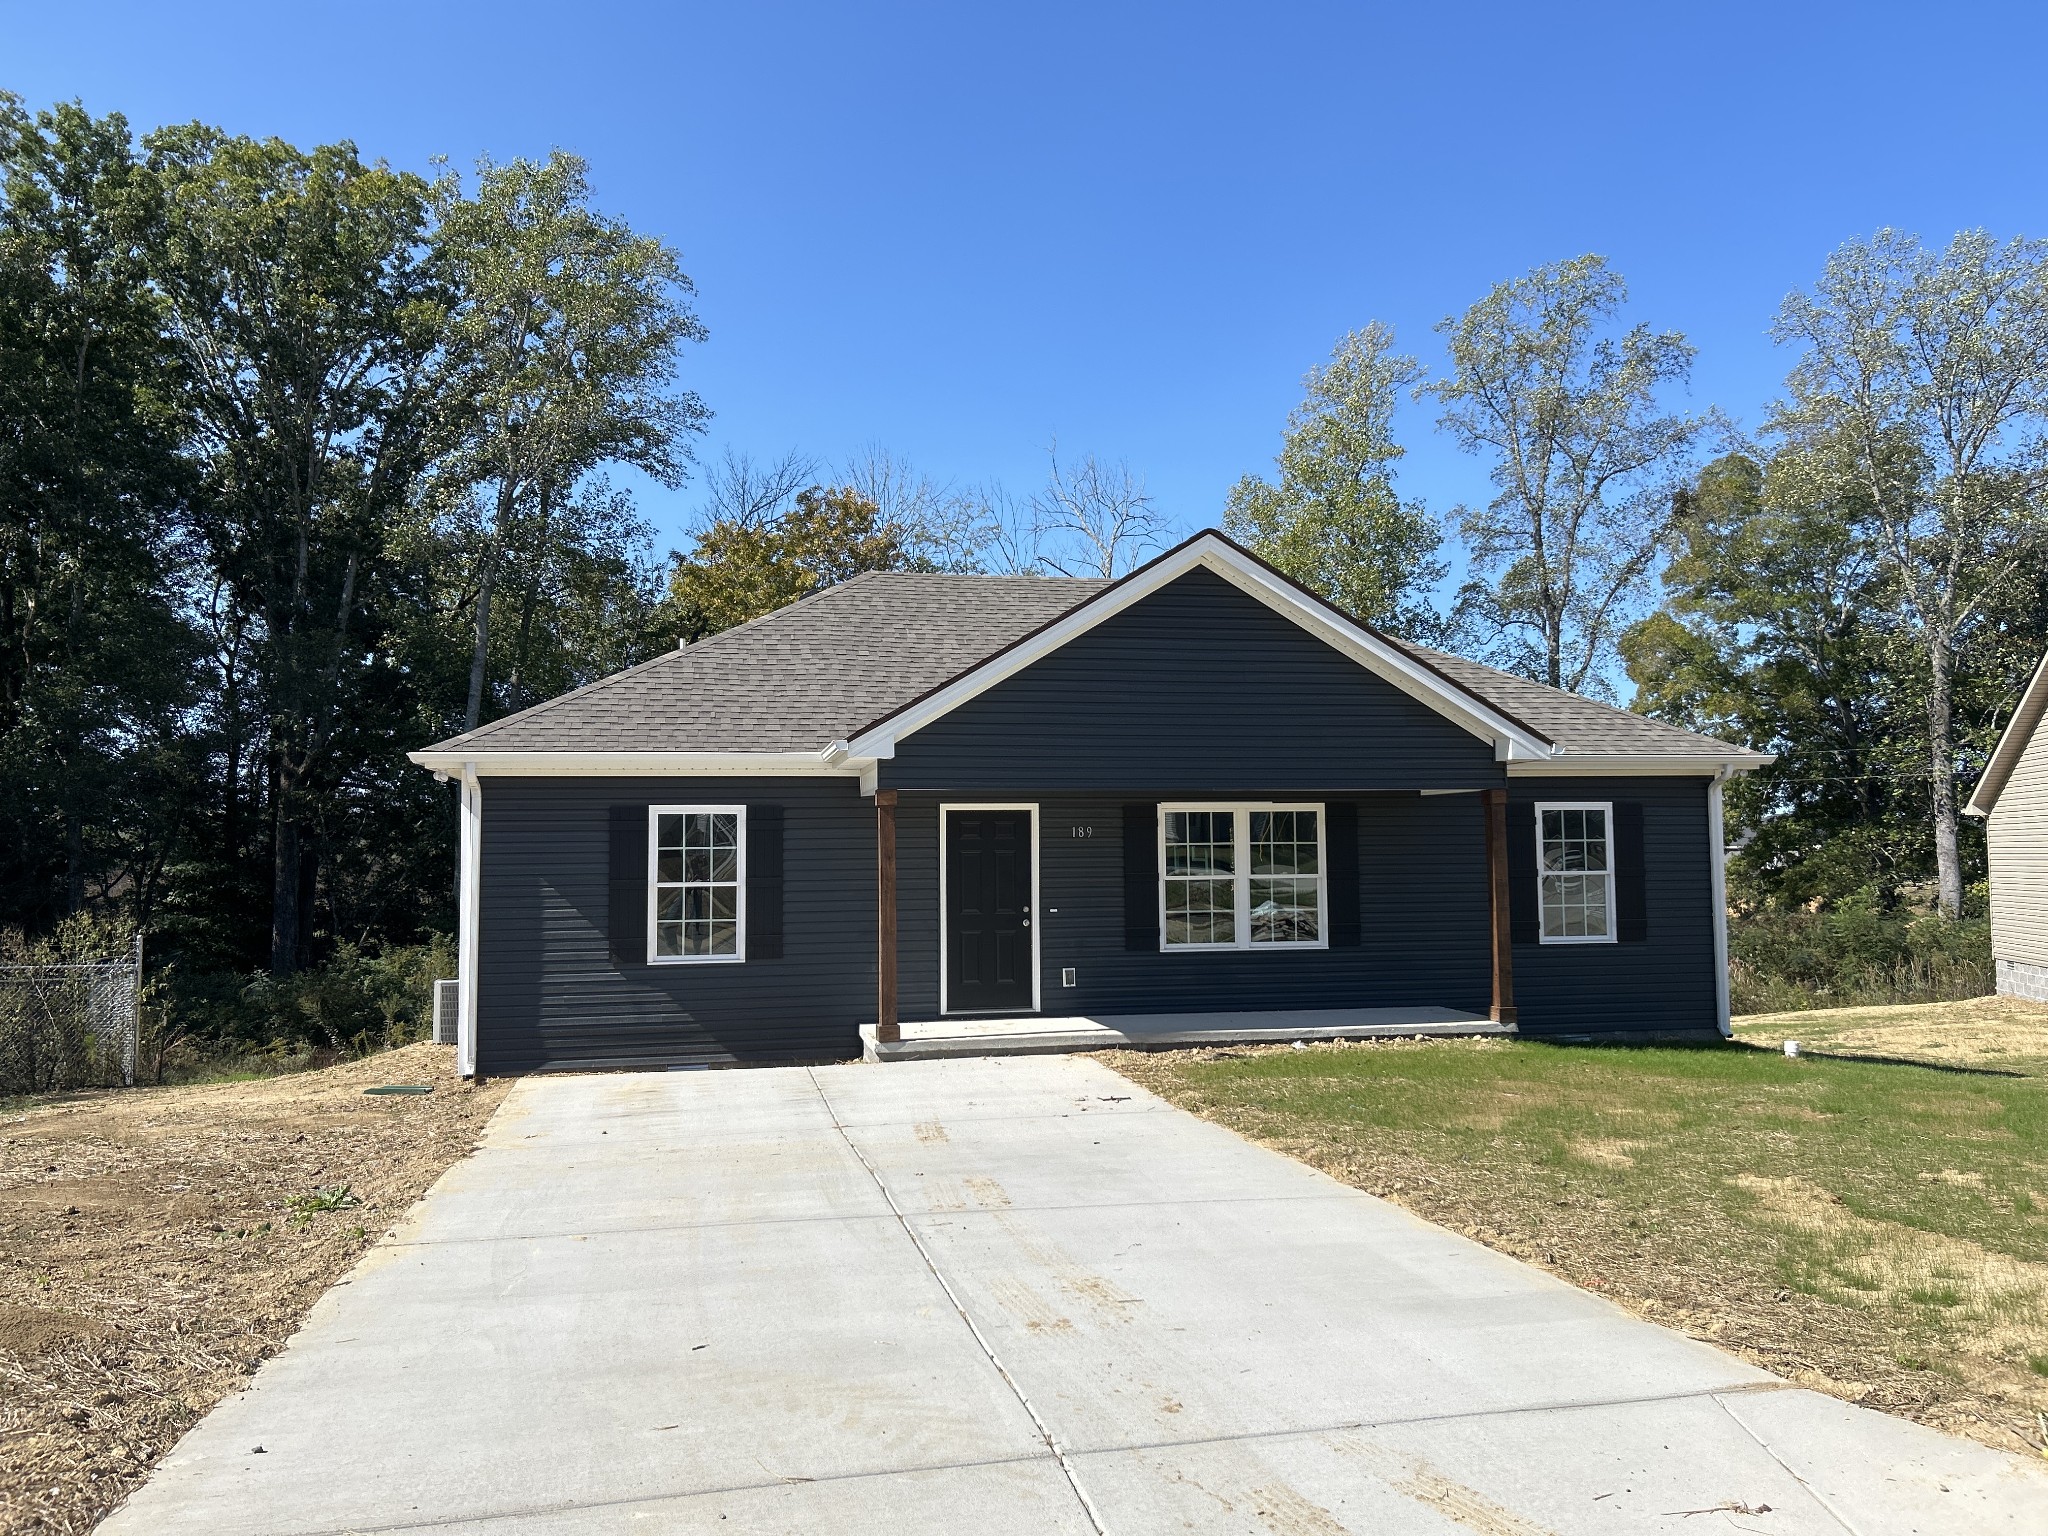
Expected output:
(298, 296)
(741, 569)
(95, 659)
(1927, 374)
(1334, 520)
(561, 352)
(1585, 460)
(1772, 636)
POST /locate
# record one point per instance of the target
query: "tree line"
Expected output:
(302, 463)
(305, 461)
(1860, 585)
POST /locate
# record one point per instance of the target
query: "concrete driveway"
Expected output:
(994, 1297)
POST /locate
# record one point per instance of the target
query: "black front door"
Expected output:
(988, 912)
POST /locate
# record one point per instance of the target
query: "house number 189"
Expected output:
(1081, 831)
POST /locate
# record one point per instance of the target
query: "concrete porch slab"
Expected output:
(1038, 1035)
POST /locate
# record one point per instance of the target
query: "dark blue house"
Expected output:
(934, 814)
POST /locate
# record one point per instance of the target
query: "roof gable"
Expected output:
(1396, 664)
(1196, 686)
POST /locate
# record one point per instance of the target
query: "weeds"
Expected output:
(331, 1197)
(1783, 962)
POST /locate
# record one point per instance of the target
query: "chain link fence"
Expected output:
(70, 1026)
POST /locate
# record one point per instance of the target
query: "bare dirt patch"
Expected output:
(157, 1244)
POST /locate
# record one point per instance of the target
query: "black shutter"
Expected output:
(1631, 899)
(627, 906)
(1340, 840)
(1141, 877)
(1523, 923)
(764, 882)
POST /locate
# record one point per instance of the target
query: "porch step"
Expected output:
(1036, 1036)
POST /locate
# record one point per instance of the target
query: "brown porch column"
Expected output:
(1495, 803)
(885, 916)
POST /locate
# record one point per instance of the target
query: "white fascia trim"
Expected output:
(1371, 652)
(1591, 766)
(2012, 741)
(611, 765)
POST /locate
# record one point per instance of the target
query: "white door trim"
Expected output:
(946, 808)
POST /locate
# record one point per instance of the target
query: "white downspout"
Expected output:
(468, 920)
(1718, 850)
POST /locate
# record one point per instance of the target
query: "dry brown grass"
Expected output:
(1982, 1031)
(151, 1256)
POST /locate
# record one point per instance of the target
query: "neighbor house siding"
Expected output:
(1663, 985)
(551, 995)
(1202, 688)
(2016, 840)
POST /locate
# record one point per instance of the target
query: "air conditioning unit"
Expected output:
(447, 1010)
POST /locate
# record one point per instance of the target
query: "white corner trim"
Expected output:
(469, 919)
(603, 765)
(2012, 741)
(1037, 910)
(1717, 851)
(1212, 553)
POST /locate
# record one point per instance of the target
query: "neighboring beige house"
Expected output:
(2012, 797)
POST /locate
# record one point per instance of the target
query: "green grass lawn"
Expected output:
(1878, 1228)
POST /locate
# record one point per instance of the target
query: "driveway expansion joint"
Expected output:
(931, 1264)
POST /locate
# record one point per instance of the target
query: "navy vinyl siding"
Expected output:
(1664, 984)
(1424, 918)
(551, 995)
(1202, 688)
(1422, 904)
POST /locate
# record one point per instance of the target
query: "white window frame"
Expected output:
(1606, 809)
(654, 815)
(1241, 876)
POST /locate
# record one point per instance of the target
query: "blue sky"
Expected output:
(958, 231)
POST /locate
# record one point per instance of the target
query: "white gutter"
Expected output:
(1717, 847)
(468, 919)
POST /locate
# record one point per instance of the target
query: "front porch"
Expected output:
(1033, 1035)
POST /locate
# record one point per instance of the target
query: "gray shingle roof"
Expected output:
(822, 669)
(799, 678)
(1574, 722)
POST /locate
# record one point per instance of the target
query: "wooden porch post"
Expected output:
(885, 916)
(1495, 804)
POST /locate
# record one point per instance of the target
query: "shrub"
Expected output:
(358, 1002)
(1781, 962)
